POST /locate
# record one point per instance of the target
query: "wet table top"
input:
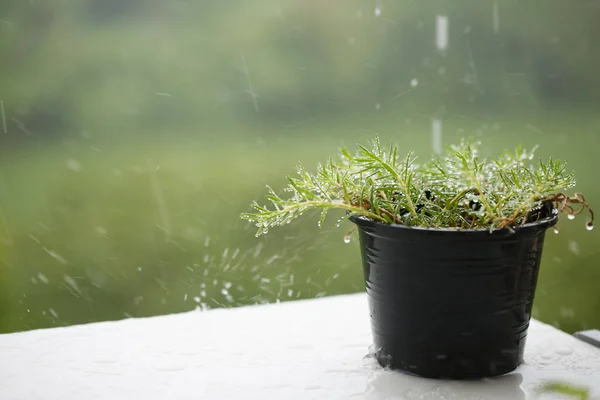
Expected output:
(311, 349)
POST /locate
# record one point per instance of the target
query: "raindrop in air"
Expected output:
(589, 225)
(574, 247)
(372, 352)
(73, 165)
(571, 216)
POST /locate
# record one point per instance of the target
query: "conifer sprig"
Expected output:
(457, 189)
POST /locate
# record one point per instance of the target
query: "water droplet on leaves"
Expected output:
(347, 239)
(589, 225)
(377, 11)
(414, 82)
(555, 231)
(571, 216)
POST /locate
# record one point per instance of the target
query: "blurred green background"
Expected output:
(134, 132)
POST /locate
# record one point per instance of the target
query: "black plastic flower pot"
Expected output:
(449, 303)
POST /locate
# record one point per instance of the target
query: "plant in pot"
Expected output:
(450, 248)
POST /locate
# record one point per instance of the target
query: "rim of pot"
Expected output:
(543, 223)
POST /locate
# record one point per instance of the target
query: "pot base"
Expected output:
(473, 363)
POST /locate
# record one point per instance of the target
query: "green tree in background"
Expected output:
(134, 132)
(73, 65)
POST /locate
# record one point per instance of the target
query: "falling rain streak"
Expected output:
(160, 201)
(436, 136)
(3, 117)
(250, 90)
(496, 17)
(3, 222)
(72, 285)
(441, 32)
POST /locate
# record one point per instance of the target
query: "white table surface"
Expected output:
(298, 350)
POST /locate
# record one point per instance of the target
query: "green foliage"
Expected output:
(105, 221)
(111, 66)
(568, 390)
(457, 189)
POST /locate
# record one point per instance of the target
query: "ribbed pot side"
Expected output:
(450, 303)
